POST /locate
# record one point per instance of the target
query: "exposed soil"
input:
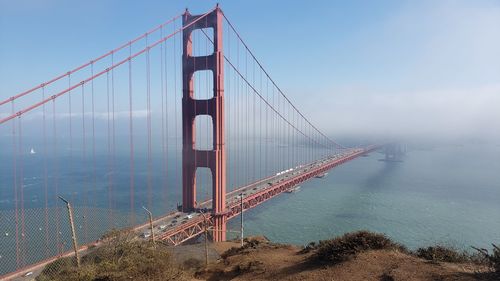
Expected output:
(269, 261)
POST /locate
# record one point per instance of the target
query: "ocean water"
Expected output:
(440, 194)
(443, 194)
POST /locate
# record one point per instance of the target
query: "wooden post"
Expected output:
(73, 232)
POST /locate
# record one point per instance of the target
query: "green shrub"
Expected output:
(342, 248)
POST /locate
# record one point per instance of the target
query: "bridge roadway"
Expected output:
(177, 227)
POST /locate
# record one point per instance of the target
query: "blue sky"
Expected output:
(382, 67)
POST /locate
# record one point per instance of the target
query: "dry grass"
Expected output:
(492, 259)
(342, 248)
(261, 260)
(354, 256)
(121, 257)
(441, 253)
(249, 244)
(495, 258)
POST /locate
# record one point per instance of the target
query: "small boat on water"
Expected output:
(293, 189)
(32, 151)
(322, 176)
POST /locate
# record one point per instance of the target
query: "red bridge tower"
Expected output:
(214, 107)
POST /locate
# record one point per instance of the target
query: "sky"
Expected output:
(427, 68)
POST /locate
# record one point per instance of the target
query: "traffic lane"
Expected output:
(179, 218)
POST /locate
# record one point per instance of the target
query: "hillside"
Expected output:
(353, 256)
(268, 261)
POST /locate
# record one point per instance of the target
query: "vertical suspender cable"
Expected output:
(163, 100)
(109, 173)
(176, 173)
(290, 135)
(208, 176)
(85, 165)
(166, 124)
(45, 181)
(247, 125)
(113, 150)
(254, 145)
(148, 108)
(280, 136)
(56, 167)
(195, 90)
(267, 121)
(21, 185)
(15, 177)
(131, 139)
(228, 93)
(237, 124)
(261, 125)
(94, 179)
(274, 133)
(70, 108)
(287, 132)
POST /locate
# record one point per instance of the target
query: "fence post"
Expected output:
(73, 232)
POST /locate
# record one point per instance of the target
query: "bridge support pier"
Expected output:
(214, 107)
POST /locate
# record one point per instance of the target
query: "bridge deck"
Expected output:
(179, 227)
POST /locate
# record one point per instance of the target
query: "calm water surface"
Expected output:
(447, 194)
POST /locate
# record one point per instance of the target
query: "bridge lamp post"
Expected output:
(150, 225)
(73, 232)
(241, 219)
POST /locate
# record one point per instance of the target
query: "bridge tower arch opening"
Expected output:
(192, 158)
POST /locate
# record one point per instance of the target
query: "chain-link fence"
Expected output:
(38, 236)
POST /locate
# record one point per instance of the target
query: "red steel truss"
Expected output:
(196, 226)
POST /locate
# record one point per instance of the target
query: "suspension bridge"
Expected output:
(183, 120)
